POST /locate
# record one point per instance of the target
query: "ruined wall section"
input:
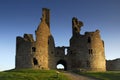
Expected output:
(113, 65)
(86, 51)
(42, 36)
(44, 43)
(24, 51)
(78, 52)
(38, 54)
(51, 53)
(61, 56)
(96, 56)
(76, 26)
(46, 16)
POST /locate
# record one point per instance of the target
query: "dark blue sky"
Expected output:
(23, 16)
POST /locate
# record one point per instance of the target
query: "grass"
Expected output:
(109, 75)
(30, 74)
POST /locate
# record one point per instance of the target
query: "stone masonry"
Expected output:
(113, 65)
(85, 51)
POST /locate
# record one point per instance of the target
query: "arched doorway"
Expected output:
(61, 64)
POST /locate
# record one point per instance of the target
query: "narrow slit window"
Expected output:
(35, 61)
(48, 41)
(89, 39)
(66, 50)
(90, 51)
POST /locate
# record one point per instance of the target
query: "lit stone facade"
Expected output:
(85, 51)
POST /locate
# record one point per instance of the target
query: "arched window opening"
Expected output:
(61, 65)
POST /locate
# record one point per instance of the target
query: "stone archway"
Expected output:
(63, 62)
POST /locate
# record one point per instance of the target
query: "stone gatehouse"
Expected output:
(85, 51)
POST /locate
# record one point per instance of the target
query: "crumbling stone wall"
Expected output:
(51, 53)
(61, 57)
(24, 51)
(113, 65)
(95, 51)
(85, 51)
(37, 54)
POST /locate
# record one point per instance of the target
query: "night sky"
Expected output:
(23, 16)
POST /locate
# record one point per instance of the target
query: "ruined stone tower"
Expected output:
(44, 41)
(36, 53)
(85, 51)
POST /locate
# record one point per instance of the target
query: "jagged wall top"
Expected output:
(76, 26)
(46, 16)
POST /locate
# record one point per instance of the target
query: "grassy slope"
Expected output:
(28, 74)
(109, 75)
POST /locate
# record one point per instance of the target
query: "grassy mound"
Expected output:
(109, 75)
(30, 74)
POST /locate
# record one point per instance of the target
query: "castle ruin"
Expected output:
(113, 65)
(85, 51)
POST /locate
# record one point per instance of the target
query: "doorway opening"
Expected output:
(61, 65)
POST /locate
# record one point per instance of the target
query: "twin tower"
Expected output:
(85, 51)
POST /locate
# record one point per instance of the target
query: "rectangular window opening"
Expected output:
(33, 49)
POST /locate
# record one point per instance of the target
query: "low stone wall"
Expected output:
(113, 65)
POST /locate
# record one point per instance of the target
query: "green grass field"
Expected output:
(109, 75)
(29, 74)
